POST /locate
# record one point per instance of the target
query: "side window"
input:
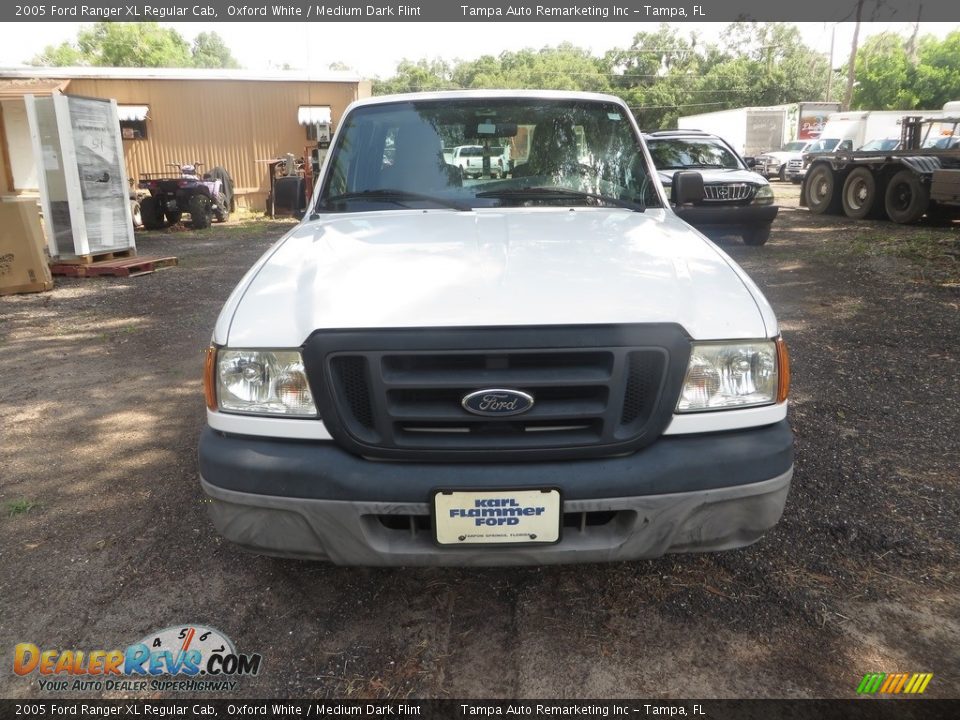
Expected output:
(133, 129)
(312, 117)
(133, 121)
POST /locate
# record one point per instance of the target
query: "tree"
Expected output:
(564, 67)
(414, 76)
(884, 75)
(937, 80)
(656, 74)
(888, 78)
(769, 65)
(117, 44)
(662, 74)
(210, 51)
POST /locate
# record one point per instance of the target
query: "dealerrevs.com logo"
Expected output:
(188, 658)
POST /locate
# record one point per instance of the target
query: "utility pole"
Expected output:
(833, 36)
(851, 68)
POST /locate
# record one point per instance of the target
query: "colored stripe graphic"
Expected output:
(871, 683)
(895, 683)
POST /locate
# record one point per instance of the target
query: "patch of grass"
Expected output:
(20, 507)
(246, 228)
(934, 252)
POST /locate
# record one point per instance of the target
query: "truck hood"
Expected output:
(521, 266)
(717, 175)
(783, 156)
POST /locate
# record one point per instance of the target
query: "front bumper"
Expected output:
(314, 500)
(768, 169)
(727, 217)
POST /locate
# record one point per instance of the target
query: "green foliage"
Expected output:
(665, 73)
(891, 77)
(117, 44)
(414, 76)
(210, 51)
(662, 74)
(883, 74)
(565, 67)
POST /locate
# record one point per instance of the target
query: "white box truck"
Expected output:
(756, 130)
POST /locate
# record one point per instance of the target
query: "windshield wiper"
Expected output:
(394, 196)
(559, 193)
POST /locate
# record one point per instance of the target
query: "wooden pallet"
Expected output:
(97, 257)
(122, 267)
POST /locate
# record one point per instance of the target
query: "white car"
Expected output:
(548, 368)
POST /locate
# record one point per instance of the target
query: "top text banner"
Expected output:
(490, 10)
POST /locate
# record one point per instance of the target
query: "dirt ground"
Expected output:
(104, 535)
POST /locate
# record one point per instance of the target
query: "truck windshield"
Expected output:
(795, 146)
(486, 152)
(824, 145)
(677, 153)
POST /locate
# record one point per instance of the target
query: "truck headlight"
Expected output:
(733, 375)
(763, 196)
(263, 382)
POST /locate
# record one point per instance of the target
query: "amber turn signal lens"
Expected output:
(210, 377)
(783, 367)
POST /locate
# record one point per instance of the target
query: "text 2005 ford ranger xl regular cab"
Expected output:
(547, 367)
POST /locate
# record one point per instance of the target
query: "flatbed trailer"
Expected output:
(901, 185)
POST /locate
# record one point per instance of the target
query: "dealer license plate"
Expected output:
(471, 517)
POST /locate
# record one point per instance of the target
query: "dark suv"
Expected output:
(737, 200)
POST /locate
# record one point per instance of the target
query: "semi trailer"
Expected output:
(921, 178)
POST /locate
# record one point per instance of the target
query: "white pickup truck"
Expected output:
(775, 162)
(545, 368)
(468, 159)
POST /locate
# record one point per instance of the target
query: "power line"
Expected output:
(681, 105)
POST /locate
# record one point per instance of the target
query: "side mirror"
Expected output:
(750, 161)
(687, 187)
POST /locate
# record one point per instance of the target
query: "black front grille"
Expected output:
(643, 382)
(596, 390)
(350, 374)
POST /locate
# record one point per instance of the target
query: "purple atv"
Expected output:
(204, 198)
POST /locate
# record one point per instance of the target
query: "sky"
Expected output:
(373, 49)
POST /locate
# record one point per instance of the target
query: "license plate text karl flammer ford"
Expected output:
(497, 511)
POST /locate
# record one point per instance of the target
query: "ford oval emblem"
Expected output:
(497, 402)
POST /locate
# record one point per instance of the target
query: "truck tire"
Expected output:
(860, 196)
(151, 213)
(223, 212)
(226, 186)
(782, 175)
(906, 199)
(756, 236)
(200, 213)
(820, 186)
(135, 214)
